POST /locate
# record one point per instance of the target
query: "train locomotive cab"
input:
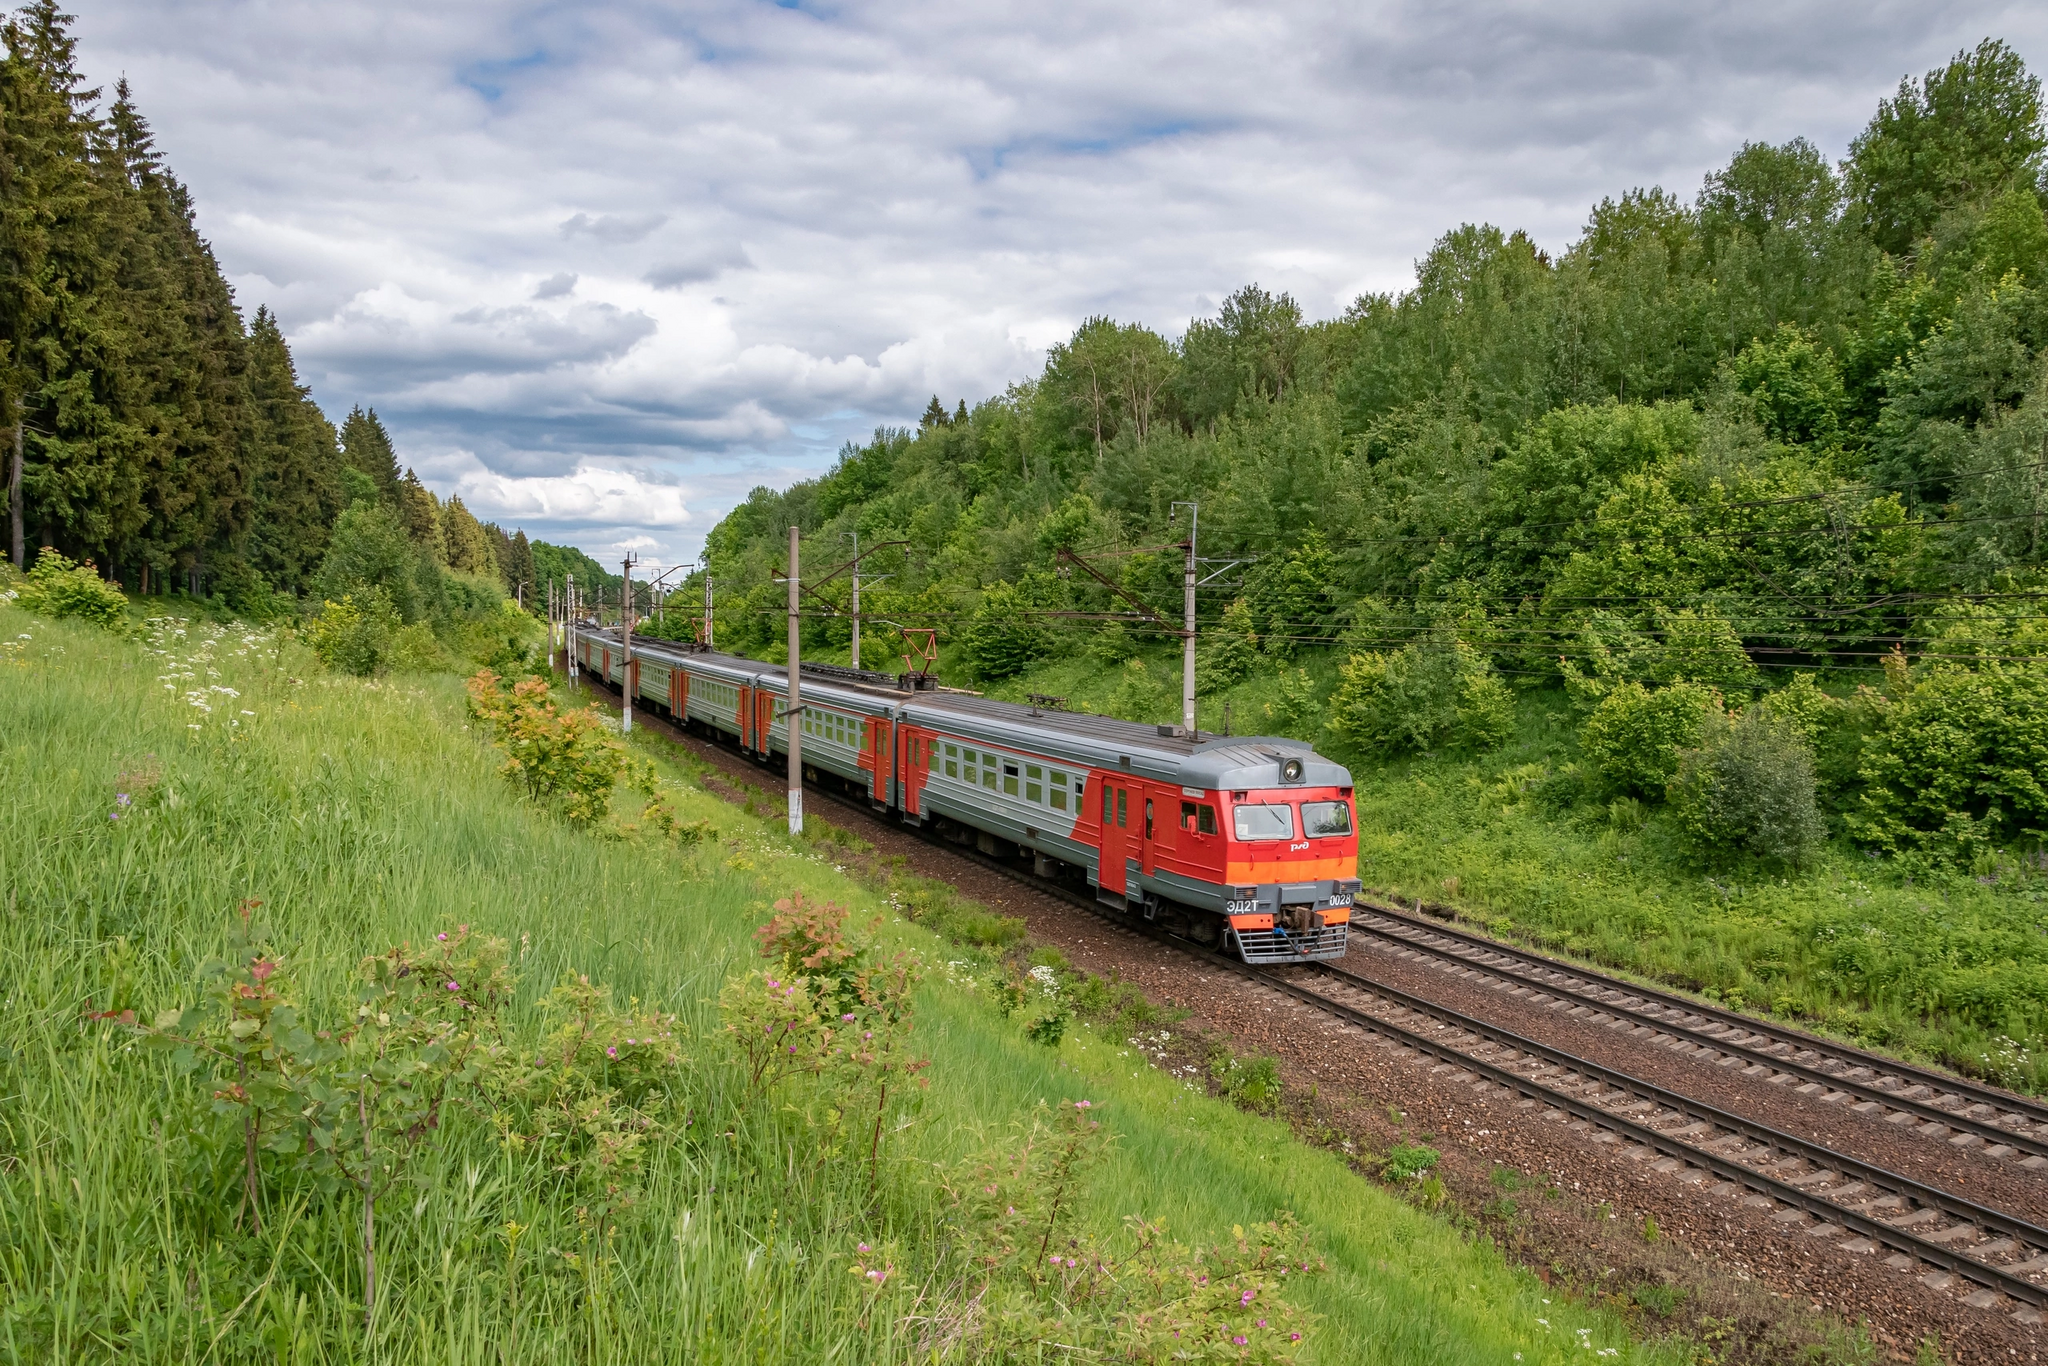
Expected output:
(1288, 832)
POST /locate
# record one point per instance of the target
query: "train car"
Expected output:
(1247, 844)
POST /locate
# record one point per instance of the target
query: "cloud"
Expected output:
(696, 245)
(616, 228)
(586, 495)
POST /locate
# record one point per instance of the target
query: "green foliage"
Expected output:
(1966, 129)
(1253, 1083)
(55, 587)
(1434, 694)
(1959, 763)
(1408, 1161)
(361, 634)
(566, 759)
(1003, 635)
(1749, 788)
(1635, 735)
(1795, 385)
(1141, 695)
(1229, 653)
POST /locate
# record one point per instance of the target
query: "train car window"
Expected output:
(1264, 822)
(1034, 789)
(1187, 815)
(1148, 818)
(1320, 820)
(1057, 790)
(1105, 804)
(1009, 780)
(952, 761)
(1122, 796)
(1205, 819)
(988, 770)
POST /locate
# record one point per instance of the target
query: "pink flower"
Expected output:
(1294, 1337)
(1054, 1260)
(611, 1052)
(1070, 1263)
(443, 936)
(1262, 1323)
(869, 1035)
(1084, 1105)
(1238, 1340)
(629, 1043)
(1246, 1298)
(792, 1048)
(846, 1019)
(862, 1246)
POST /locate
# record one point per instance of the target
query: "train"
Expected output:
(1247, 845)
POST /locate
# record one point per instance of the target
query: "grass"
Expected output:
(364, 813)
(1934, 965)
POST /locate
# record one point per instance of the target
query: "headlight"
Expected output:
(1292, 770)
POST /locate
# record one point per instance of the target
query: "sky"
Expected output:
(603, 267)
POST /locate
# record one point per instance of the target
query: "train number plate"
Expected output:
(1240, 907)
(1340, 898)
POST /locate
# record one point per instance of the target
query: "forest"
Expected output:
(154, 433)
(1737, 500)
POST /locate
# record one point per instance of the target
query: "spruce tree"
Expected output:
(368, 447)
(420, 512)
(295, 459)
(469, 547)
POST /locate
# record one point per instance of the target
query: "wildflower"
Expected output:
(1246, 1297)
(792, 1048)
(1084, 1105)
(613, 1052)
(1296, 1337)
(1239, 1340)
(869, 1034)
(861, 1246)
(442, 936)
(1262, 1323)
(846, 1019)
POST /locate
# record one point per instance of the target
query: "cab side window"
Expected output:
(1205, 819)
(1122, 801)
(1148, 818)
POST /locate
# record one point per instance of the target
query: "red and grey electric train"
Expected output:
(1249, 843)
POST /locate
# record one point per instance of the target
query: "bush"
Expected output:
(562, 758)
(56, 587)
(1141, 695)
(1634, 736)
(1749, 788)
(1003, 636)
(1228, 654)
(1431, 695)
(369, 548)
(1408, 1161)
(356, 635)
(1959, 763)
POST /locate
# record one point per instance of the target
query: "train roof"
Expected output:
(1204, 760)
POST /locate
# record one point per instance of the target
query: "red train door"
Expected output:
(884, 751)
(744, 715)
(764, 721)
(1114, 806)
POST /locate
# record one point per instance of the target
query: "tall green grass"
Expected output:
(364, 813)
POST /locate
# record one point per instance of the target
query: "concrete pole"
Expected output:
(1187, 664)
(569, 630)
(793, 721)
(707, 604)
(856, 605)
(626, 643)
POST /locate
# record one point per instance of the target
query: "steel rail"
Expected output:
(1992, 1278)
(2033, 1111)
(1949, 1119)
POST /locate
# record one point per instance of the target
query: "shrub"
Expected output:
(1003, 635)
(560, 757)
(1431, 695)
(369, 548)
(1960, 763)
(1634, 736)
(1407, 1161)
(56, 587)
(1749, 788)
(1803, 707)
(356, 635)
(1228, 654)
(1141, 695)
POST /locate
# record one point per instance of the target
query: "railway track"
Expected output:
(1994, 1260)
(1968, 1116)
